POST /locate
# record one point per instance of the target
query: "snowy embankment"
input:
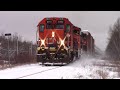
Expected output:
(84, 68)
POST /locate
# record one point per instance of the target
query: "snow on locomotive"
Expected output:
(58, 41)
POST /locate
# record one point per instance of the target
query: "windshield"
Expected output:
(59, 26)
(49, 26)
(84, 35)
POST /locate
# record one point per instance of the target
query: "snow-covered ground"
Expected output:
(84, 68)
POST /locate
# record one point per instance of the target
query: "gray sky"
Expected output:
(25, 22)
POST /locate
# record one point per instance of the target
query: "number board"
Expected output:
(60, 21)
(49, 21)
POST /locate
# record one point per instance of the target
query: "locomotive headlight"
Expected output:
(42, 42)
(38, 48)
(62, 42)
(53, 34)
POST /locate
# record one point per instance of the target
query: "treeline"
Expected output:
(15, 50)
(113, 47)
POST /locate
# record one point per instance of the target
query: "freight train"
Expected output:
(59, 41)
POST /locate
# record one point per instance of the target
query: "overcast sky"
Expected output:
(25, 22)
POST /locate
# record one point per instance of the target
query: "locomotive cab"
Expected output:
(76, 41)
(84, 41)
(87, 42)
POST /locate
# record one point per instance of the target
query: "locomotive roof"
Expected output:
(56, 18)
(52, 18)
(86, 32)
(77, 28)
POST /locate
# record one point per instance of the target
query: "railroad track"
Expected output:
(36, 73)
(43, 71)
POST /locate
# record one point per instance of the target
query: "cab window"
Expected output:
(67, 28)
(49, 24)
(83, 35)
(76, 32)
(59, 26)
(42, 28)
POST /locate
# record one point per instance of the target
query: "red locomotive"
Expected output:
(59, 41)
(87, 42)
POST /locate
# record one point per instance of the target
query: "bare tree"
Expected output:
(20, 51)
(113, 47)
